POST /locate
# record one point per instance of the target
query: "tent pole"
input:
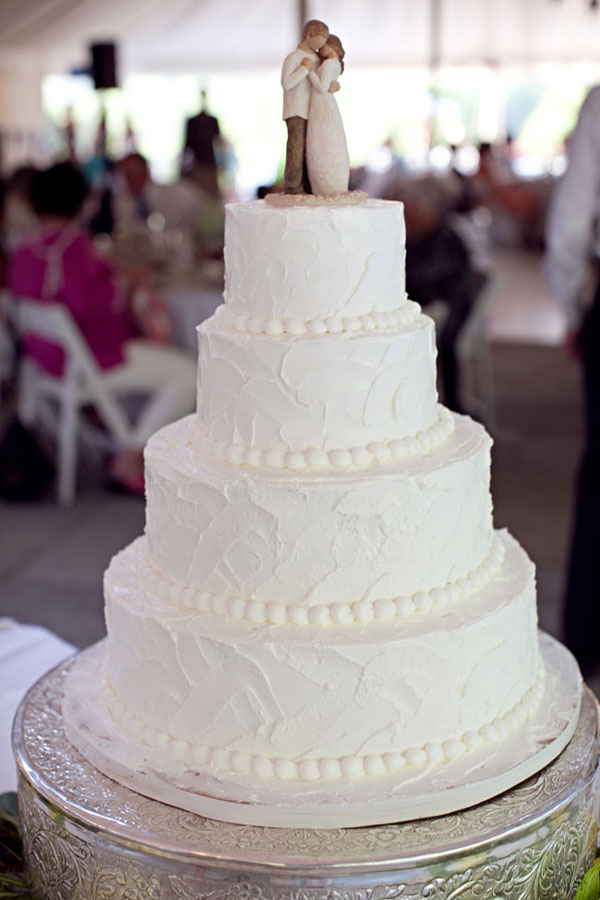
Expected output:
(302, 16)
(435, 20)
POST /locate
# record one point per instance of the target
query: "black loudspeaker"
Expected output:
(104, 65)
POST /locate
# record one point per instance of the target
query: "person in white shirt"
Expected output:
(296, 102)
(572, 251)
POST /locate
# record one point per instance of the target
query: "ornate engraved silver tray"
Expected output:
(85, 836)
(413, 793)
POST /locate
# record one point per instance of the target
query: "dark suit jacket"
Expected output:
(200, 134)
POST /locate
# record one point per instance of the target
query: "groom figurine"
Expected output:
(296, 101)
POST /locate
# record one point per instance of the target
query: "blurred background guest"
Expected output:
(439, 267)
(18, 216)
(137, 196)
(58, 264)
(201, 143)
(513, 203)
(179, 206)
(572, 262)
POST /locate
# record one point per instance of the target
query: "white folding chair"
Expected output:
(82, 383)
(6, 345)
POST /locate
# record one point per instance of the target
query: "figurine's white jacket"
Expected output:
(295, 83)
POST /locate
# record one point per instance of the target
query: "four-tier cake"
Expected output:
(320, 623)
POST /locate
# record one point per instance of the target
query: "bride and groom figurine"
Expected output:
(316, 154)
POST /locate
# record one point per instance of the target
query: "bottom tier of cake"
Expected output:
(390, 718)
(85, 836)
(321, 701)
(100, 733)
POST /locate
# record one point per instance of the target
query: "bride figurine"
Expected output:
(326, 149)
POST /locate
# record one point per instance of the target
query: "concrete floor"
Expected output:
(52, 560)
(536, 453)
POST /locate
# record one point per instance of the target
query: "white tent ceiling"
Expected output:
(202, 35)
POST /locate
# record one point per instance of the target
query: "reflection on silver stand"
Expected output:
(87, 837)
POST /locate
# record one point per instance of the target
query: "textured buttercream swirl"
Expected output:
(318, 535)
(312, 692)
(361, 612)
(304, 264)
(352, 767)
(315, 392)
(340, 458)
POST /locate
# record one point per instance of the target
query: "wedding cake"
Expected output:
(320, 618)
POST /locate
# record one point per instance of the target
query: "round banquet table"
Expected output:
(85, 836)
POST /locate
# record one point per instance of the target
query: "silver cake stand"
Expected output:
(87, 837)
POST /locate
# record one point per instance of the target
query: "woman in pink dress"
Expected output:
(59, 264)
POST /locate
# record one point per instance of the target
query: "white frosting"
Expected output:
(340, 458)
(405, 314)
(324, 262)
(302, 697)
(352, 768)
(324, 393)
(184, 596)
(280, 537)
(319, 596)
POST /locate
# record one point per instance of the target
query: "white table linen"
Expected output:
(26, 652)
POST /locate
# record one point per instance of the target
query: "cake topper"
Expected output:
(317, 166)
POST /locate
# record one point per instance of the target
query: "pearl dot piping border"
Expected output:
(375, 321)
(362, 612)
(350, 768)
(354, 457)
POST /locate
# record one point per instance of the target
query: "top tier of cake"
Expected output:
(291, 264)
